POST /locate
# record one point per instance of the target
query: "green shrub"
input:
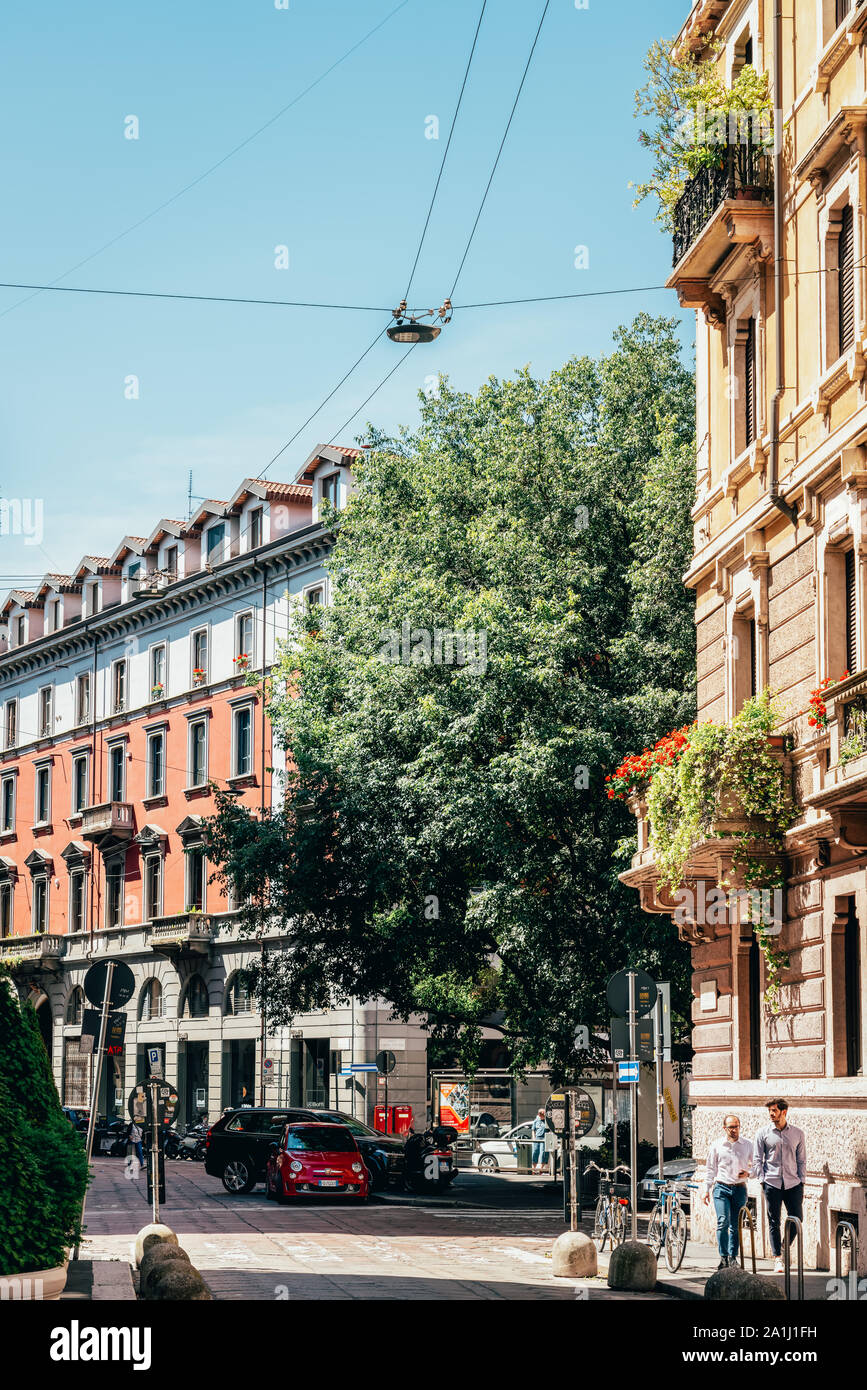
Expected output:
(43, 1170)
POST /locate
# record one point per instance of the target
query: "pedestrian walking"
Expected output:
(781, 1166)
(539, 1129)
(729, 1164)
(133, 1136)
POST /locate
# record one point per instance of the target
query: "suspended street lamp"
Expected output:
(407, 328)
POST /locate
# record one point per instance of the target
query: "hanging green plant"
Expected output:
(729, 772)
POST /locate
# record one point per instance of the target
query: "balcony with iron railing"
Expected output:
(727, 204)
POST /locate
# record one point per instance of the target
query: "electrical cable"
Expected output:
(398, 363)
(219, 163)
(500, 150)
(196, 298)
(445, 152)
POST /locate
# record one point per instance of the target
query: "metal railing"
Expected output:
(742, 165)
(745, 1215)
(798, 1228)
(845, 1231)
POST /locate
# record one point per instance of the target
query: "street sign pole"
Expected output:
(614, 1104)
(660, 1121)
(97, 1077)
(155, 1150)
(573, 1165)
(633, 1111)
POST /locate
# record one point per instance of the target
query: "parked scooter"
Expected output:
(171, 1143)
(192, 1145)
(429, 1160)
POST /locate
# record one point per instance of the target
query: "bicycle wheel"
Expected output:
(600, 1224)
(675, 1239)
(654, 1232)
(620, 1223)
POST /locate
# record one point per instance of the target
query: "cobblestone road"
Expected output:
(250, 1248)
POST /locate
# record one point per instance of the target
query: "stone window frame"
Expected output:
(747, 305)
(842, 193)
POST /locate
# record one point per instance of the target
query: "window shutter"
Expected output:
(842, 9)
(851, 654)
(750, 381)
(846, 278)
(754, 667)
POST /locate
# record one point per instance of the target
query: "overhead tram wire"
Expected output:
(219, 163)
(445, 152)
(398, 363)
(194, 298)
(500, 150)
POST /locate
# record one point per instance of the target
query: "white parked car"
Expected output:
(494, 1154)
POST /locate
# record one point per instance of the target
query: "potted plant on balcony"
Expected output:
(199, 675)
(43, 1167)
(242, 662)
(157, 691)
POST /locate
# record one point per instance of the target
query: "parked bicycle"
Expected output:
(611, 1219)
(668, 1225)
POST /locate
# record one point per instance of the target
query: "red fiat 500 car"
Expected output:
(316, 1159)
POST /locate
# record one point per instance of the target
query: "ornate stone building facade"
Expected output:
(771, 252)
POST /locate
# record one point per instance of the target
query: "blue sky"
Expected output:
(343, 179)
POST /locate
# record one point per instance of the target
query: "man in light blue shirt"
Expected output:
(781, 1167)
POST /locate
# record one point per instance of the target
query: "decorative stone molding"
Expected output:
(697, 294)
(842, 138)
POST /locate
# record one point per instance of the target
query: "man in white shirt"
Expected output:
(729, 1164)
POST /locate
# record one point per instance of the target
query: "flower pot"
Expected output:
(45, 1285)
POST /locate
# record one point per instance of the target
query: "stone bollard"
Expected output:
(574, 1256)
(172, 1279)
(736, 1283)
(151, 1235)
(632, 1266)
(154, 1259)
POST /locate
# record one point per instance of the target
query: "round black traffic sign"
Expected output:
(122, 983)
(385, 1062)
(557, 1111)
(139, 1102)
(617, 993)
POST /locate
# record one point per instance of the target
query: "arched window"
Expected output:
(75, 1005)
(151, 1001)
(238, 1000)
(195, 999)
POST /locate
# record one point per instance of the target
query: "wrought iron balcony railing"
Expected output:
(745, 169)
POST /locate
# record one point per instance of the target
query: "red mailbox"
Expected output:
(392, 1119)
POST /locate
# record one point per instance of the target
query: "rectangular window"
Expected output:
(5, 909)
(11, 724)
(841, 8)
(846, 280)
(82, 698)
(55, 620)
(244, 636)
(91, 599)
(851, 613)
(19, 632)
(79, 782)
(852, 977)
(196, 879)
(331, 490)
(114, 893)
(7, 806)
(200, 656)
(171, 563)
(754, 659)
(43, 795)
(77, 900)
(750, 383)
(40, 904)
(755, 1010)
(46, 707)
(118, 687)
(242, 762)
(156, 764)
(153, 886)
(198, 764)
(158, 671)
(255, 528)
(117, 771)
(214, 544)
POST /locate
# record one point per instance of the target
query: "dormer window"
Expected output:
(255, 529)
(91, 598)
(171, 563)
(55, 620)
(214, 541)
(331, 490)
(19, 631)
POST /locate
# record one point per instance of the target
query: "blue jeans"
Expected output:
(728, 1198)
(538, 1152)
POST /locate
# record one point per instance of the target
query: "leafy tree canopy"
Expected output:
(446, 841)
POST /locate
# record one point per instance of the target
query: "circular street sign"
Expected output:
(557, 1112)
(385, 1062)
(139, 1103)
(617, 993)
(122, 984)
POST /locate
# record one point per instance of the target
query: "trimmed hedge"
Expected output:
(43, 1172)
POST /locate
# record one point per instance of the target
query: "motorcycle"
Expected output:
(429, 1159)
(171, 1143)
(192, 1145)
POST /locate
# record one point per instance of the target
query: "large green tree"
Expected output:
(446, 839)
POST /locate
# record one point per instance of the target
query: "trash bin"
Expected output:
(524, 1154)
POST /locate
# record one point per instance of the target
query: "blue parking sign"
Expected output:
(627, 1073)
